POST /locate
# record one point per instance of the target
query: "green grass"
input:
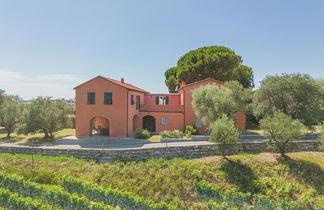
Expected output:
(155, 138)
(36, 137)
(300, 177)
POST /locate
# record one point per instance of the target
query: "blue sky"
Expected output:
(48, 47)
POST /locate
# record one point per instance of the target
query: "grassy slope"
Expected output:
(33, 137)
(299, 178)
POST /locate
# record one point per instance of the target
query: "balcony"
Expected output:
(161, 108)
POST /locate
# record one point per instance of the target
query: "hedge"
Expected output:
(111, 196)
(12, 200)
(50, 194)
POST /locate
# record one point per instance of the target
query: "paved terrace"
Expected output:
(108, 143)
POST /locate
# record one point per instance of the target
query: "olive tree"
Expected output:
(10, 112)
(296, 95)
(224, 133)
(45, 115)
(280, 129)
(210, 102)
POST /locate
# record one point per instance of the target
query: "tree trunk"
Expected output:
(8, 134)
(51, 134)
(282, 151)
(46, 135)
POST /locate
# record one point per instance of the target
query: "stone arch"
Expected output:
(99, 126)
(149, 123)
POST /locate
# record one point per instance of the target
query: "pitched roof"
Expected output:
(211, 79)
(117, 82)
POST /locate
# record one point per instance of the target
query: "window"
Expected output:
(91, 98)
(164, 120)
(108, 98)
(132, 100)
(162, 100)
(198, 123)
(138, 101)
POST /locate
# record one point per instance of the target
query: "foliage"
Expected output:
(171, 134)
(210, 102)
(110, 196)
(299, 178)
(190, 130)
(12, 200)
(231, 198)
(142, 134)
(215, 62)
(280, 129)
(10, 113)
(293, 94)
(172, 84)
(46, 115)
(322, 135)
(51, 194)
(224, 133)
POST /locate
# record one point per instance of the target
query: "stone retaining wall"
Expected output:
(106, 155)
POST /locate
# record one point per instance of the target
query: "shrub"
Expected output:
(219, 206)
(171, 134)
(224, 133)
(12, 200)
(280, 129)
(262, 202)
(231, 196)
(190, 130)
(51, 194)
(142, 134)
(110, 196)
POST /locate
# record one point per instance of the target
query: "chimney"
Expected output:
(182, 84)
(122, 80)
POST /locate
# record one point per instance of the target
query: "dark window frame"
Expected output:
(91, 98)
(138, 102)
(132, 100)
(108, 98)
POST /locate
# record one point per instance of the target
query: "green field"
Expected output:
(36, 137)
(299, 178)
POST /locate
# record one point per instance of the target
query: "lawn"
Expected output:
(298, 178)
(36, 137)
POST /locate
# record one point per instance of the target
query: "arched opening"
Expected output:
(149, 123)
(135, 122)
(99, 126)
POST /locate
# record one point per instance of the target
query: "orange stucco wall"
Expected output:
(123, 118)
(175, 120)
(115, 113)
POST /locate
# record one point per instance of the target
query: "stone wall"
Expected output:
(106, 155)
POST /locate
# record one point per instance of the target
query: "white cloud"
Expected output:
(28, 87)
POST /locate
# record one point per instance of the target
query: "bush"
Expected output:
(280, 129)
(224, 133)
(111, 196)
(142, 134)
(171, 134)
(12, 200)
(219, 206)
(51, 194)
(190, 130)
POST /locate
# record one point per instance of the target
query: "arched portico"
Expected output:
(149, 123)
(99, 126)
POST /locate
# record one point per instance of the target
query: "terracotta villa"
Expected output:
(117, 108)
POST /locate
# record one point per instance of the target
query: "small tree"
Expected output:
(224, 133)
(210, 102)
(45, 115)
(10, 112)
(280, 129)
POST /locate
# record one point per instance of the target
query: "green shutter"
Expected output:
(108, 98)
(91, 98)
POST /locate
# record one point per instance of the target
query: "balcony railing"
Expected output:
(161, 108)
